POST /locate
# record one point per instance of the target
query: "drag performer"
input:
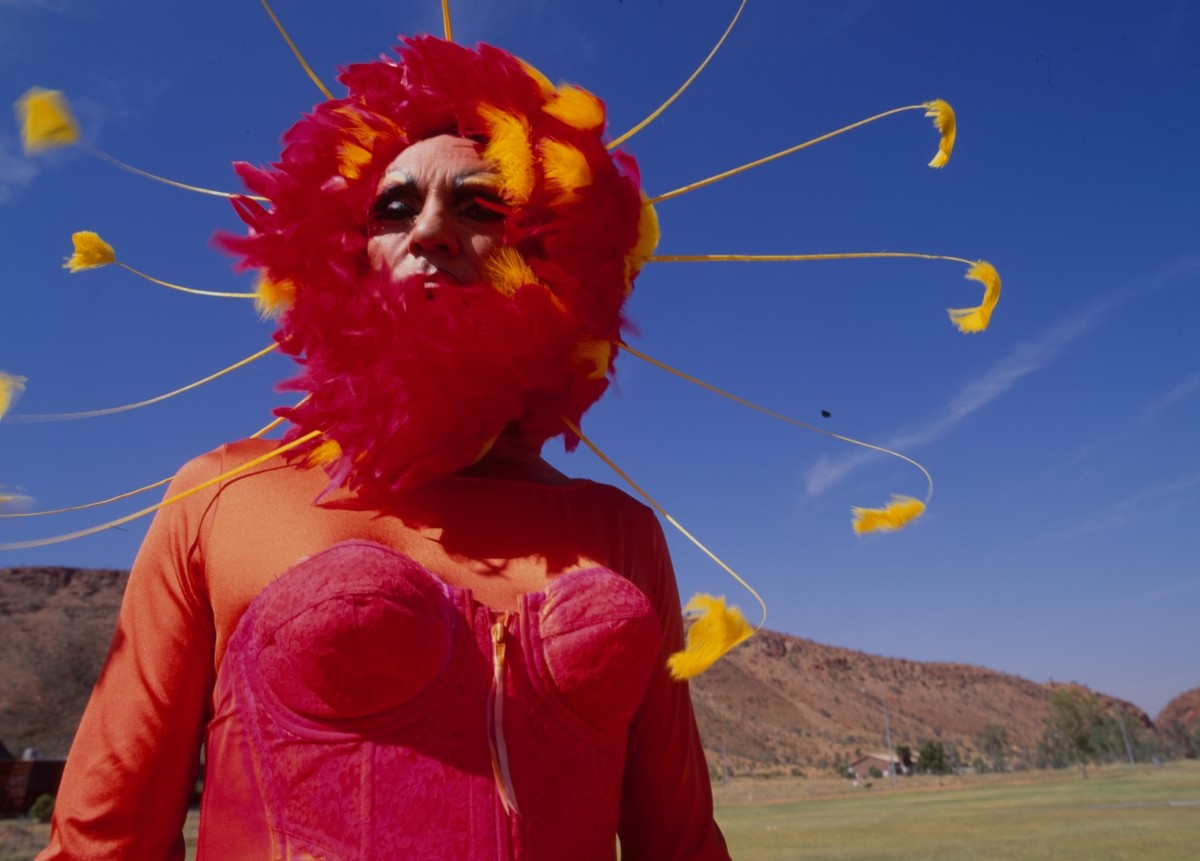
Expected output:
(411, 637)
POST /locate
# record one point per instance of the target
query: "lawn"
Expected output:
(1153, 815)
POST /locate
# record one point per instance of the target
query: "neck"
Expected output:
(514, 456)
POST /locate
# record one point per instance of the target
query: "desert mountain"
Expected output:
(776, 703)
(784, 702)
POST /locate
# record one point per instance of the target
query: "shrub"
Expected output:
(42, 808)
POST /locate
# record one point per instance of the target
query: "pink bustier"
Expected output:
(366, 710)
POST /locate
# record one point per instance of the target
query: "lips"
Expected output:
(437, 278)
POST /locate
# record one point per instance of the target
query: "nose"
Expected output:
(434, 230)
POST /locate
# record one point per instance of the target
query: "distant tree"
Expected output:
(904, 754)
(932, 758)
(1070, 728)
(42, 809)
(953, 761)
(1182, 741)
(994, 744)
(1108, 743)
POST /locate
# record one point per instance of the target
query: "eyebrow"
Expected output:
(406, 180)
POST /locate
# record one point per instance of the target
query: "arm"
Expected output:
(666, 803)
(133, 763)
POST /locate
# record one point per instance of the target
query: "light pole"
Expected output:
(887, 729)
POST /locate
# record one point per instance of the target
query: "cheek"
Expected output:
(483, 243)
(383, 251)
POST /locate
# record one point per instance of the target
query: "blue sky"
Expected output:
(1061, 540)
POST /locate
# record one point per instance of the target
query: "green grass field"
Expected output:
(1153, 815)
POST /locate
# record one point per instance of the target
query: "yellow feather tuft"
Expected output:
(271, 297)
(16, 500)
(595, 354)
(577, 108)
(327, 452)
(91, 252)
(509, 148)
(508, 271)
(647, 241)
(977, 319)
(352, 158)
(355, 152)
(715, 631)
(944, 122)
(897, 514)
(46, 121)
(11, 387)
(565, 168)
(541, 80)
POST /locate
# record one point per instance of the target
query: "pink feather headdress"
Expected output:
(541, 331)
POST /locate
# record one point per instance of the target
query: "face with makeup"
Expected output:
(437, 214)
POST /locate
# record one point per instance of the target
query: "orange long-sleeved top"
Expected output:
(207, 558)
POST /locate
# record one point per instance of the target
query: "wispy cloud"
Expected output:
(1139, 506)
(16, 171)
(1181, 391)
(1023, 360)
(1171, 591)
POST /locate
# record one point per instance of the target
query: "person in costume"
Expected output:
(412, 637)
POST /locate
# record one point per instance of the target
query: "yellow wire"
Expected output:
(303, 63)
(785, 258)
(780, 416)
(686, 83)
(170, 500)
(101, 154)
(58, 417)
(183, 289)
(127, 494)
(446, 21)
(734, 171)
(662, 511)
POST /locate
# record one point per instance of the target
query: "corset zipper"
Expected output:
(499, 748)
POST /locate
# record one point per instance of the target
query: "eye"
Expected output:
(395, 204)
(485, 208)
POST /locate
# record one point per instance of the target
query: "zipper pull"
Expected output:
(499, 748)
(498, 643)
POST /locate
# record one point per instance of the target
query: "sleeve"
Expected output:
(135, 757)
(666, 799)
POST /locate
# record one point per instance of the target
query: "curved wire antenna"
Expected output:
(776, 415)
(616, 143)
(193, 290)
(966, 320)
(574, 428)
(129, 493)
(759, 162)
(170, 500)
(446, 28)
(47, 123)
(29, 418)
(116, 162)
(92, 252)
(792, 258)
(296, 51)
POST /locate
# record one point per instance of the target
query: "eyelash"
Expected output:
(397, 205)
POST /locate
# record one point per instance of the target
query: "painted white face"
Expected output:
(438, 212)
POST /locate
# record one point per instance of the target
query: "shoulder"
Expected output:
(231, 471)
(612, 499)
(228, 461)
